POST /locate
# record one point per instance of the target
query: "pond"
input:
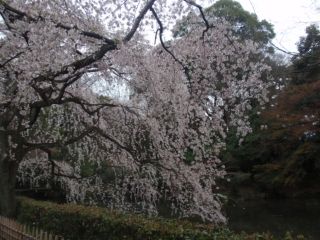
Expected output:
(298, 216)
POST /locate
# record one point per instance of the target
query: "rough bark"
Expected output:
(8, 172)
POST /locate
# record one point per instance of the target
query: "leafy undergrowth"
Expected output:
(80, 222)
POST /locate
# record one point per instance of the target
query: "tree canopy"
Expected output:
(55, 55)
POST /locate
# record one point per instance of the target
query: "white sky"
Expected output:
(289, 17)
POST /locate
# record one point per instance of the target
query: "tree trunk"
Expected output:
(8, 173)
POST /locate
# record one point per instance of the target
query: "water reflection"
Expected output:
(298, 216)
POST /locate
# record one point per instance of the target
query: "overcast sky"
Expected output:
(289, 17)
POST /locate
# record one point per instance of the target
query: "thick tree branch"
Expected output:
(138, 20)
(33, 146)
(85, 104)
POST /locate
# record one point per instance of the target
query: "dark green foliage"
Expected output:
(289, 155)
(306, 64)
(189, 156)
(242, 157)
(245, 25)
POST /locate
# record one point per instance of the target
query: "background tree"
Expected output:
(292, 137)
(243, 24)
(306, 63)
(56, 54)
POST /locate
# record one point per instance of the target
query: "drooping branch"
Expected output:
(57, 173)
(202, 15)
(10, 59)
(84, 104)
(33, 146)
(131, 152)
(48, 152)
(112, 139)
(185, 68)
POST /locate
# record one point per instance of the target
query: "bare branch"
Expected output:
(202, 15)
(138, 20)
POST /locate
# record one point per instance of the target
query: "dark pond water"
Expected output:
(298, 216)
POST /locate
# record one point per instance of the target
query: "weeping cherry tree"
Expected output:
(56, 55)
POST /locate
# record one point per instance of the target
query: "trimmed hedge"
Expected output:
(79, 222)
(76, 222)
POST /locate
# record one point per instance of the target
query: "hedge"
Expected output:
(75, 222)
